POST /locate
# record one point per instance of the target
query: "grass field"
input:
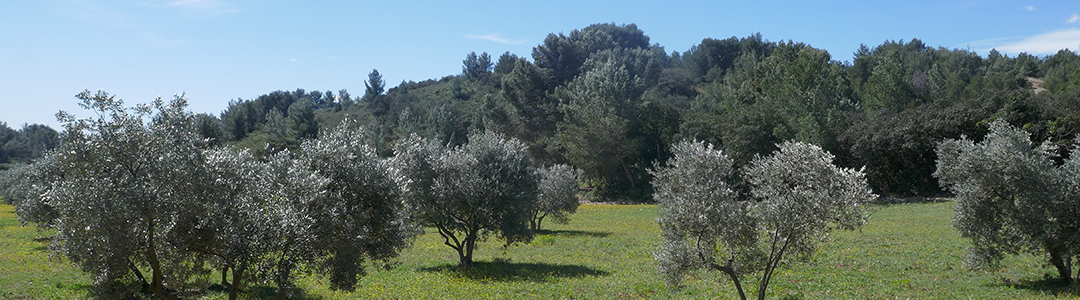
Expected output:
(908, 251)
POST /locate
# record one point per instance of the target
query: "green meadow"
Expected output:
(907, 251)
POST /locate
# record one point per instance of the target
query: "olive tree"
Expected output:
(127, 177)
(22, 187)
(363, 214)
(485, 187)
(229, 220)
(558, 188)
(289, 193)
(1011, 198)
(797, 196)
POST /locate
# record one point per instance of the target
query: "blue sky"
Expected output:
(218, 50)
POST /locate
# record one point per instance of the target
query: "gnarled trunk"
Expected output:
(234, 289)
(1063, 263)
(139, 275)
(729, 269)
(156, 285)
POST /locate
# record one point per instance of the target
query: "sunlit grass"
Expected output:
(907, 251)
(26, 270)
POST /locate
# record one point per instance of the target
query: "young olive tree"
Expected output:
(362, 215)
(700, 215)
(797, 197)
(558, 194)
(125, 182)
(485, 187)
(1011, 198)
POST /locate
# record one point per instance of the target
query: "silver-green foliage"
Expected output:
(800, 197)
(558, 194)
(230, 225)
(22, 187)
(138, 189)
(128, 177)
(288, 192)
(700, 213)
(796, 197)
(485, 187)
(1010, 196)
(362, 215)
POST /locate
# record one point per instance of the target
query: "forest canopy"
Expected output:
(608, 101)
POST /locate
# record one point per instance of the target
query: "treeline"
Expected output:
(606, 100)
(26, 144)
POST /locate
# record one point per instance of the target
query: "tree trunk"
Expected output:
(470, 243)
(225, 275)
(139, 275)
(771, 264)
(538, 222)
(234, 289)
(156, 285)
(729, 269)
(626, 169)
(284, 269)
(1064, 267)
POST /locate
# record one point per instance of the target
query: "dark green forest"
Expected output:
(608, 101)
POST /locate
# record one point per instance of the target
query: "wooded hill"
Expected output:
(606, 100)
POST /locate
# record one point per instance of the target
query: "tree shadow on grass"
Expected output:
(270, 292)
(1050, 284)
(886, 201)
(572, 233)
(508, 271)
(44, 241)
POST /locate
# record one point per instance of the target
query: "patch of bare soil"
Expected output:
(1036, 84)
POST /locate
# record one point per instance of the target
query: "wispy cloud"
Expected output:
(1073, 18)
(495, 38)
(115, 26)
(1045, 43)
(294, 60)
(1030, 8)
(201, 8)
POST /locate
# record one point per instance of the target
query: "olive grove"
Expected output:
(142, 201)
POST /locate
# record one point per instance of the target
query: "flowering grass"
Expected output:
(906, 251)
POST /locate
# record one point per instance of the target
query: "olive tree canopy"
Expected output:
(485, 187)
(362, 215)
(796, 197)
(128, 176)
(557, 194)
(1011, 198)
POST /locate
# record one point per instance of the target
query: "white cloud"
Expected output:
(1045, 43)
(495, 38)
(1073, 18)
(294, 60)
(1030, 8)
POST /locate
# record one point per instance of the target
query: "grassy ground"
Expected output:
(907, 251)
(26, 270)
